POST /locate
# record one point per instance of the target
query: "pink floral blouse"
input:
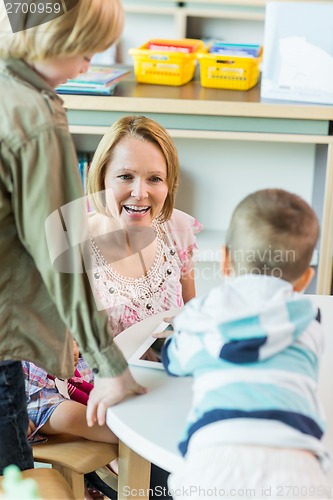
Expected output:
(129, 300)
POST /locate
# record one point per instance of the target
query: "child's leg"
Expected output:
(70, 417)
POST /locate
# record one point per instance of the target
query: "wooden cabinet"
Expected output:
(230, 144)
(227, 20)
(239, 21)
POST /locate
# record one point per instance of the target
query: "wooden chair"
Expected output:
(51, 484)
(73, 457)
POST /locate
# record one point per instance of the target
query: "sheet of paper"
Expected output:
(298, 56)
(304, 65)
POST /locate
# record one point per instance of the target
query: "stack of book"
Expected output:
(98, 80)
(236, 49)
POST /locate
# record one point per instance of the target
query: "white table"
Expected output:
(150, 426)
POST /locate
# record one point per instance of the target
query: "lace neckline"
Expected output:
(145, 295)
(152, 271)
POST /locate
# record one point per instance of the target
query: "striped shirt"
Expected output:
(252, 345)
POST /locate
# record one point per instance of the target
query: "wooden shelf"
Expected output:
(145, 9)
(244, 3)
(224, 14)
(217, 135)
(238, 21)
(192, 98)
(175, 20)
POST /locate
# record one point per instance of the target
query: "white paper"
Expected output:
(304, 65)
(298, 52)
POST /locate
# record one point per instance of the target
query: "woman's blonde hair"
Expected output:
(142, 128)
(91, 26)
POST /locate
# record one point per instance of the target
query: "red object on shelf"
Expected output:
(186, 49)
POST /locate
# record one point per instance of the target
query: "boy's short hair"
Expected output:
(91, 26)
(142, 128)
(272, 232)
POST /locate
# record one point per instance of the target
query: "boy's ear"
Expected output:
(303, 281)
(225, 263)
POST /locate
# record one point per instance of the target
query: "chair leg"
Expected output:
(74, 479)
(134, 474)
(109, 478)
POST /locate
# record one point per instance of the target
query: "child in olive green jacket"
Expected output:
(40, 304)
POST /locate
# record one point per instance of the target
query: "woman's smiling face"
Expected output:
(137, 176)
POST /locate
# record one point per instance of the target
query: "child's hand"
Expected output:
(110, 391)
(162, 335)
(168, 331)
(169, 320)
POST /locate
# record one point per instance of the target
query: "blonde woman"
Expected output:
(142, 247)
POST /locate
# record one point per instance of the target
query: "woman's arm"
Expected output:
(188, 286)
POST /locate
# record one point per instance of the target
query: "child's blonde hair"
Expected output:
(91, 26)
(142, 128)
(272, 232)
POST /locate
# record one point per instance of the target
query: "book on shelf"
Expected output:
(98, 80)
(236, 49)
(84, 162)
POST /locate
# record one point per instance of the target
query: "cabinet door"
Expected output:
(227, 20)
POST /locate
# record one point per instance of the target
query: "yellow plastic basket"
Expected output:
(227, 71)
(166, 67)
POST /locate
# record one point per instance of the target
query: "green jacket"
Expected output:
(39, 175)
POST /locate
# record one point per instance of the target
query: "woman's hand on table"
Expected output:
(109, 391)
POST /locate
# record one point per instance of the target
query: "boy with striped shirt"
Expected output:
(253, 346)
